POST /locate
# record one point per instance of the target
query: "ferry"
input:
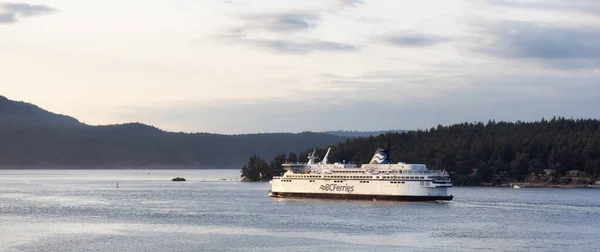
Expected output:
(380, 179)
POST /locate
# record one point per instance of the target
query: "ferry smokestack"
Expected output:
(382, 156)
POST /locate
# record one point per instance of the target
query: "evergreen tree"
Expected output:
(292, 158)
(500, 152)
(275, 165)
(257, 169)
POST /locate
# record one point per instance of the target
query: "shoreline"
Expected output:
(527, 185)
(110, 168)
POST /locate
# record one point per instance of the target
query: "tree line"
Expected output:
(492, 152)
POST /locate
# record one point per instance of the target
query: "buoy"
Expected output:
(117, 185)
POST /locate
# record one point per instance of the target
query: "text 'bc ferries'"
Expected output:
(378, 180)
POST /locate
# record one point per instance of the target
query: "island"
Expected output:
(558, 152)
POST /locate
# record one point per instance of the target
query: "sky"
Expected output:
(313, 65)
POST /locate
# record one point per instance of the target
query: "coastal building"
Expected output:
(575, 173)
(548, 172)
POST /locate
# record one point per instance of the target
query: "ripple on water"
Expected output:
(84, 211)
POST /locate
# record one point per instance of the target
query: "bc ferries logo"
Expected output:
(337, 188)
(381, 156)
(378, 158)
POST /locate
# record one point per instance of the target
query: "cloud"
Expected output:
(274, 30)
(410, 39)
(10, 12)
(347, 3)
(238, 35)
(574, 47)
(584, 6)
(282, 22)
(7, 18)
(302, 47)
(499, 100)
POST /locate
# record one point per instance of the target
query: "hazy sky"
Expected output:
(289, 65)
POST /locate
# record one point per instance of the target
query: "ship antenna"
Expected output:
(311, 157)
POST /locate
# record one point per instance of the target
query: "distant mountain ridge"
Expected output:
(348, 133)
(35, 138)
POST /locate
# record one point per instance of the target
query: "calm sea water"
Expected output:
(83, 210)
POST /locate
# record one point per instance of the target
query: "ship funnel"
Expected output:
(382, 156)
(325, 158)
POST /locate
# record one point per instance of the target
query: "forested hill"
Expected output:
(493, 152)
(31, 137)
(348, 133)
(17, 114)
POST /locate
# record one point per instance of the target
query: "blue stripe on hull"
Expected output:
(360, 196)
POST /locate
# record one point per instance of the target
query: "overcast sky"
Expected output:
(289, 66)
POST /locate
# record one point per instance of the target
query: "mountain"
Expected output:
(21, 114)
(32, 137)
(347, 133)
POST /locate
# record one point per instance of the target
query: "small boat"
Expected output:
(178, 179)
(516, 186)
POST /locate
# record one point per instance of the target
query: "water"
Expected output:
(82, 210)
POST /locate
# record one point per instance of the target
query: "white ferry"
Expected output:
(378, 180)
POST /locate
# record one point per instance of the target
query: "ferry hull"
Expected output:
(359, 196)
